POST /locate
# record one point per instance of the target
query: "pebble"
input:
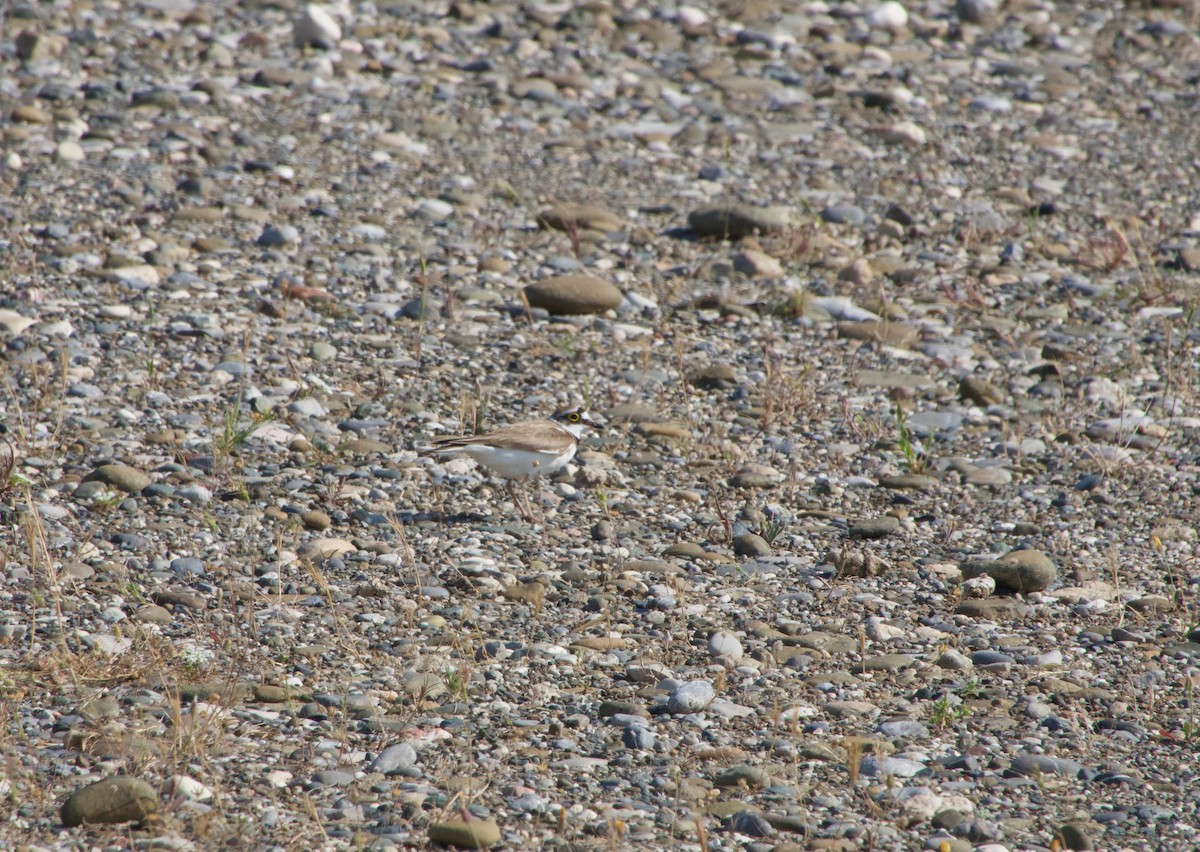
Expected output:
(573, 294)
(591, 217)
(69, 151)
(750, 544)
(757, 264)
(1018, 570)
(126, 478)
(691, 697)
(734, 221)
(871, 528)
(724, 644)
(273, 236)
(315, 519)
(113, 800)
(844, 214)
(889, 15)
(315, 26)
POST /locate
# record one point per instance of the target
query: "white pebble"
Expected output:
(906, 133)
(724, 644)
(69, 151)
(317, 27)
(691, 17)
(889, 16)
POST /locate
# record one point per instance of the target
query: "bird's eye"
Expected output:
(573, 416)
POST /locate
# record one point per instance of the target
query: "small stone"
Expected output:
(908, 482)
(69, 151)
(273, 236)
(885, 663)
(1151, 604)
(395, 759)
(29, 114)
(886, 332)
(1018, 570)
(433, 210)
(906, 133)
(1189, 258)
(871, 528)
(975, 11)
(533, 594)
(896, 767)
(179, 597)
(315, 519)
(751, 544)
(324, 548)
(992, 609)
(733, 221)
(743, 775)
(751, 824)
(38, 46)
(590, 217)
(1075, 836)
(576, 293)
(315, 26)
(980, 391)
(724, 644)
(472, 834)
(753, 479)
(844, 214)
(153, 614)
(126, 478)
(322, 351)
(991, 475)
(858, 273)
(713, 377)
(188, 566)
(690, 697)
(269, 693)
(979, 587)
(334, 778)
(757, 264)
(113, 800)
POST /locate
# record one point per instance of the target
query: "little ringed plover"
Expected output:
(529, 449)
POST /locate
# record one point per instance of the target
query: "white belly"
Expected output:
(516, 464)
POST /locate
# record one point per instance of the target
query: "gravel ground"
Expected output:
(887, 541)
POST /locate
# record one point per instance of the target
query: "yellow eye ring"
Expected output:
(573, 416)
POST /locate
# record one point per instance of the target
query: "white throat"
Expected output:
(576, 429)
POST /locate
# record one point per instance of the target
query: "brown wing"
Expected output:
(535, 436)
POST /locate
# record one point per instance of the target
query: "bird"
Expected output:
(520, 451)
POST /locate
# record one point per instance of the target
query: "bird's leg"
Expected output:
(522, 504)
(537, 495)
